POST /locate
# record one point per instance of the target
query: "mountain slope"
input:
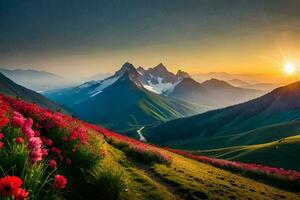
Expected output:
(8, 87)
(124, 105)
(36, 80)
(212, 93)
(281, 105)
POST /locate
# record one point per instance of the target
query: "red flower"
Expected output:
(60, 182)
(3, 119)
(52, 163)
(21, 194)
(1, 136)
(1, 144)
(19, 140)
(56, 150)
(9, 185)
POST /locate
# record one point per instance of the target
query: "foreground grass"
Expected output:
(138, 185)
(192, 180)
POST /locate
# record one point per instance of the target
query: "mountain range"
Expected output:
(122, 102)
(135, 97)
(38, 81)
(10, 88)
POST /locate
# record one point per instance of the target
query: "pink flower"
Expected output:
(1, 136)
(36, 155)
(17, 119)
(34, 145)
(26, 128)
(19, 140)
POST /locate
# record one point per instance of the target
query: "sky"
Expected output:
(82, 38)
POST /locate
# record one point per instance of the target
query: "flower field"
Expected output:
(285, 178)
(48, 155)
(46, 152)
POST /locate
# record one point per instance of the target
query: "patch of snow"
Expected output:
(104, 84)
(158, 88)
(95, 93)
(87, 84)
(171, 89)
(150, 88)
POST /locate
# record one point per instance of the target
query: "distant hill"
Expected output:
(36, 80)
(257, 86)
(212, 93)
(8, 87)
(280, 105)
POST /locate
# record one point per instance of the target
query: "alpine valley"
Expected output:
(136, 97)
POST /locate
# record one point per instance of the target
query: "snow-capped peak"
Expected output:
(157, 79)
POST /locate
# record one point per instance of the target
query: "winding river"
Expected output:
(139, 132)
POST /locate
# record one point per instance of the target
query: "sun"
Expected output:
(289, 68)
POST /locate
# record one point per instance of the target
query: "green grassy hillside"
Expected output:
(187, 179)
(257, 136)
(281, 153)
(49, 155)
(279, 106)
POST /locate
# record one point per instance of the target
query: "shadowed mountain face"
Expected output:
(8, 87)
(281, 105)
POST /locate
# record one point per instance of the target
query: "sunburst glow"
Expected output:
(289, 68)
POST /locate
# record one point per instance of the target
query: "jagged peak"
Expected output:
(160, 67)
(182, 74)
(126, 67)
